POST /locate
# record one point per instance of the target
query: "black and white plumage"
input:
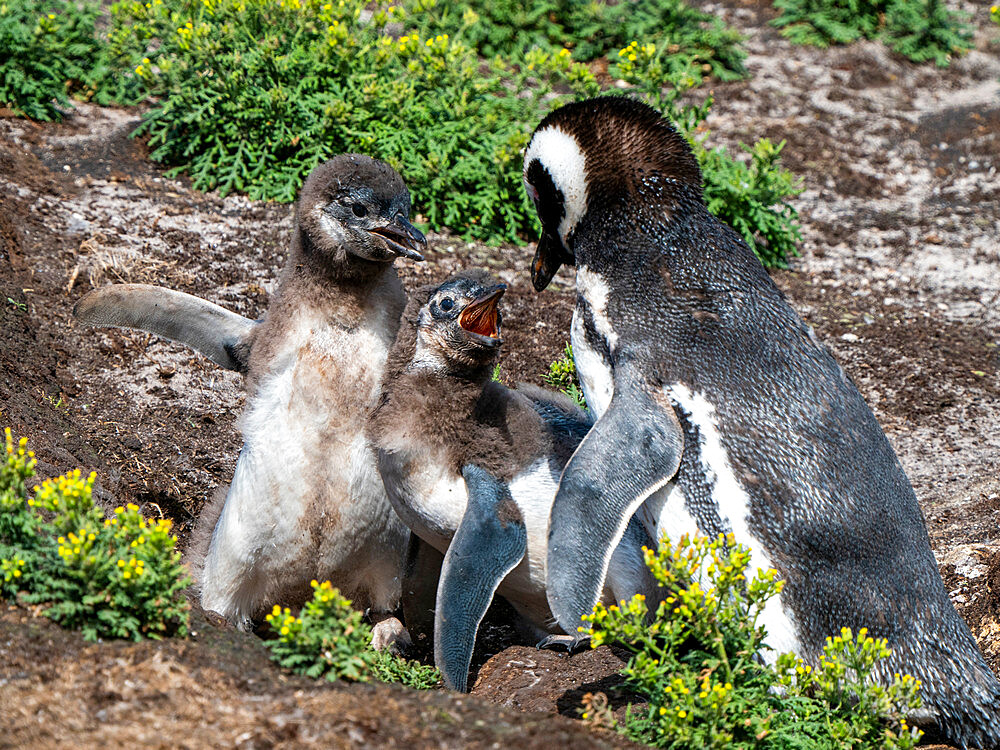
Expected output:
(472, 466)
(719, 411)
(306, 500)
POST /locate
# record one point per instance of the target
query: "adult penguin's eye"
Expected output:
(447, 304)
(359, 210)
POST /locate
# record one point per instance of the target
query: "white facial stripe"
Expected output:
(562, 157)
(596, 377)
(734, 507)
(595, 290)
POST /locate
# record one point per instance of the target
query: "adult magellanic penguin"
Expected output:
(306, 500)
(472, 466)
(719, 411)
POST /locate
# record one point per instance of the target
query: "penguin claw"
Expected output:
(571, 643)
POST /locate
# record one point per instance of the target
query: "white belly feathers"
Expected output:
(665, 513)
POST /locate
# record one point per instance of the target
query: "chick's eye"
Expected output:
(446, 304)
(359, 210)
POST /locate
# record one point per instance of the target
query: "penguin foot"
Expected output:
(571, 643)
(218, 621)
(391, 634)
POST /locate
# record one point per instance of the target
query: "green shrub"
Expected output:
(752, 198)
(119, 577)
(330, 640)
(254, 93)
(250, 95)
(511, 27)
(562, 376)
(388, 667)
(921, 30)
(49, 51)
(694, 661)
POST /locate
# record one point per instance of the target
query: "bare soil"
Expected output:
(900, 276)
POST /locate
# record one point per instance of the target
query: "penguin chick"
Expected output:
(306, 501)
(472, 466)
(719, 411)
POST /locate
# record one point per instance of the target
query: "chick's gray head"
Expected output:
(357, 205)
(601, 158)
(458, 329)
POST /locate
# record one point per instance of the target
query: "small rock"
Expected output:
(849, 338)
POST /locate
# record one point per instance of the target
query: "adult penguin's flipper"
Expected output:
(221, 335)
(489, 543)
(633, 450)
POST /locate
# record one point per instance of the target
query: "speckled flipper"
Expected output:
(632, 451)
(218, 333)
(489, 543)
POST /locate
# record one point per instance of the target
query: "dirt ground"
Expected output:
(899, 275)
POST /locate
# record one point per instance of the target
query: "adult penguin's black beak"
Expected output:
(402, 238)
(549, 255)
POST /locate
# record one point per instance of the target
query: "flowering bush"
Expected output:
(250, 95)
(695, 660)
(119, 577)
(511, 27)
(329, 639)
(254, 93)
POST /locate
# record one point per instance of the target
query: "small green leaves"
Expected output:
(49, 49)
(921, 30)
(250, 95)
(562, 376)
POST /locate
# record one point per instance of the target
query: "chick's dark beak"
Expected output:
(402, 238)
(546, 262)
(482, 318)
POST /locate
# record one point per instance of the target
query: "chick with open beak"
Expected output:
(459, 329)
(471, 467)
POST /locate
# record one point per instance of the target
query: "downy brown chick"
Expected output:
(306, 501)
